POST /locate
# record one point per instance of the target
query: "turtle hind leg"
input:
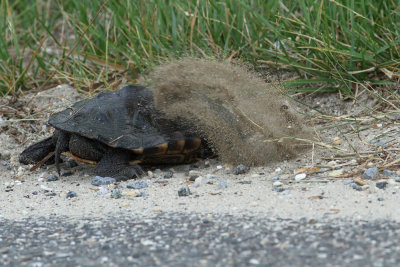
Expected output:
(36, 152)
(115, 163)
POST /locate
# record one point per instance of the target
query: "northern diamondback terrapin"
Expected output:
(118, 130)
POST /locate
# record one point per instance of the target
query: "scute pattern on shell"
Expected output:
(123, 119)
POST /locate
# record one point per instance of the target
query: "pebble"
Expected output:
(275, 178)
(98, 180)
(66, 173)
(219, 167)
(211, 176)
(52, 194)
(356, 186)
(71, 194)
(193, 178)
(116, 193)
(46, 188)
(254, 262)
(360, 182)
(168, 175)
(388, 173)
(4, 163)
(200, 181)
(193, 173)
(381, 185)
(35, 193)
(245, 182)
(370, 173)
(157, 171)
(142, 194)
(223, 184)
(278, 189)
(5, 155)
(381, 199)
(184, 191)
(300, 176)
(206, 164)
(397, 179)
(240, 169)
(71, 164)
(137, 185)
(52, 178)
(102, 191)
(277, 184)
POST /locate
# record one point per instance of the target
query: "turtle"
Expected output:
(117, 131)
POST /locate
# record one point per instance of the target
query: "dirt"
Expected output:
(349, 140)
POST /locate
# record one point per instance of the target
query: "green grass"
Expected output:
(331, 44)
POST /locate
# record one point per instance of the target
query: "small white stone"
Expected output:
(300, 176)
(278, 169)
(277, 183)
(331, 163)
(46, 188)
(254, 262)
(219, 167)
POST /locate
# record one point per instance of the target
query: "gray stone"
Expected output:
(240, 169)
(223, 184)
(52, 178)
(168, 175)
(356, 186)
(184, 191)
(98, 180)
(102, 191)
(71, 164)
(388, 173)
(370, 173)
(116, 193)
(66, 173)
(137, 185)
(278, 189)
(71, 194)
(381, 185)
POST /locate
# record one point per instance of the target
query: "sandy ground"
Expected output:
(325, 192)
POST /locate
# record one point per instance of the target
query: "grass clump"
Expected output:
(332, 45)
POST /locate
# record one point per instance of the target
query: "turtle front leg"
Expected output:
(115, 163)
(36, 152)
(61, 140)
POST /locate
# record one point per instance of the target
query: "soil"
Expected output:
(326, 181)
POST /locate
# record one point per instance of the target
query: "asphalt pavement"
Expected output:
(189, 239)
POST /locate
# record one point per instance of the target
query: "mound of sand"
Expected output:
(233, 110)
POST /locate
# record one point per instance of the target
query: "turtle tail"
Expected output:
(62, 143)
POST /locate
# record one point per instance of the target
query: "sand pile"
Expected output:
(233, 110)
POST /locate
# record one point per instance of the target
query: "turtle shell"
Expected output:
(122, 119)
